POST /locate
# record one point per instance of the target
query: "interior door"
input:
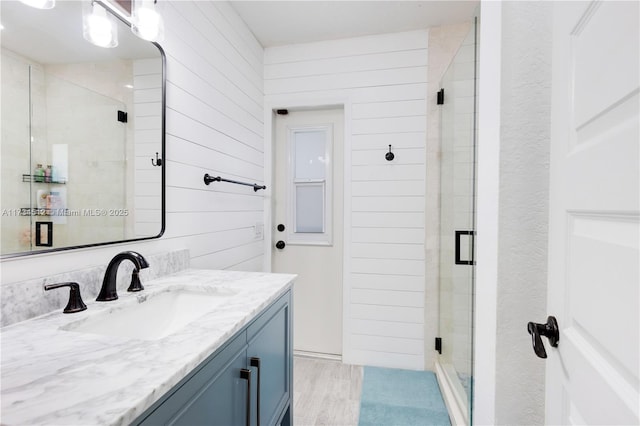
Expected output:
(307, 224)
(592, 376)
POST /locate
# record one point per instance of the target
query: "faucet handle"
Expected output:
(135, 285)
(75, 303)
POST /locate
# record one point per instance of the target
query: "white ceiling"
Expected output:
(39, 34)
(277, 23)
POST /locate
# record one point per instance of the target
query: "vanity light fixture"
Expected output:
(146, 22)
(40, 4)
(98, 26)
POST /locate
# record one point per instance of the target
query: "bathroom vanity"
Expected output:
(196, 347)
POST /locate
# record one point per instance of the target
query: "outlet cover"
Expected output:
(259, 228)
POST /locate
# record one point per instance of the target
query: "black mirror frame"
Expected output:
(163, 172)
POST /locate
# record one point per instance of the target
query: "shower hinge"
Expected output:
(441, 97)
(439, 345)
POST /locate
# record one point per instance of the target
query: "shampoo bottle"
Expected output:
(38, 174)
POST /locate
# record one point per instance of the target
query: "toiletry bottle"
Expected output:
(55, 205)
(38, 174)
(41, 199)
(47, 174)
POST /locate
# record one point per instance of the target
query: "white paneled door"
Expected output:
(307, 223)
(593, 374)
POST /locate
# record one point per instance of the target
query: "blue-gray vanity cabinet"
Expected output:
(270, 358)
(215, 392)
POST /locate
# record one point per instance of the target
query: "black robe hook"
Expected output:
(157, 162)
(389, 155)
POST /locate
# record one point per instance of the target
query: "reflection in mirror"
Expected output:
(80, 126)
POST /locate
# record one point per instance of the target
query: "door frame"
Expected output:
(487, 214)
(310, 102)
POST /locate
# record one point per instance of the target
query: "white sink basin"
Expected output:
(153, 316)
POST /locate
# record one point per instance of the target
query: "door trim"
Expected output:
(312, 102)
(488, 181)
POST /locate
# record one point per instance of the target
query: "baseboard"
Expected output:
(457, 410)
(318, 355)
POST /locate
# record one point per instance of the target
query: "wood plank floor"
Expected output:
(325, 392)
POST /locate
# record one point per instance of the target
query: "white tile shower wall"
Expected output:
(15, 130)
(108, 79)
(215, 125)
(385, 78)
(96, 148)
(54, 93)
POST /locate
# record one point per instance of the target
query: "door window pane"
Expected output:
(309, 151)
(309, 208)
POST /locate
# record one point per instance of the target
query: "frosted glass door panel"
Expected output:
(310, 149)
(310, 208)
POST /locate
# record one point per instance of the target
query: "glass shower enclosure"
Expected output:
(457, 229)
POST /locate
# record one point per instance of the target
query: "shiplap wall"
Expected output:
(384, 77)
(147, 121)
(214, 124)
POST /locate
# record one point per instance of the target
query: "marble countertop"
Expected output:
(52, 376)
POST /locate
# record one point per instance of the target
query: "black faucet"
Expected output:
(108, 290)
(75, 303)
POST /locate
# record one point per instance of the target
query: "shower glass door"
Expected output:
(457, 226)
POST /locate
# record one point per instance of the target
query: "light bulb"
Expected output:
(99, 27)
(99, 30)
(146, 22)
(40, 4)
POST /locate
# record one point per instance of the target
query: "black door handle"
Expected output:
(280, 245)
(549, 329)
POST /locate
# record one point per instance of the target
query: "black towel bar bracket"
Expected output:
(208, 179)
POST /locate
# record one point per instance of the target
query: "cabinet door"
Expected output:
(269, 340)
(214, 395)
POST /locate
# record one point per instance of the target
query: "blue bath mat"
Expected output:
(392, 397)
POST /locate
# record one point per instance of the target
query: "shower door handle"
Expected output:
(549, 329)
(470, 244)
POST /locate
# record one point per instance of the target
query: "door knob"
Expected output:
(549, 329)
(280, 245)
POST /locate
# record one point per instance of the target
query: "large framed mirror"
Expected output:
(83, 130)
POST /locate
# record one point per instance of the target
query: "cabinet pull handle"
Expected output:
(255, 362)
(246, 375)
